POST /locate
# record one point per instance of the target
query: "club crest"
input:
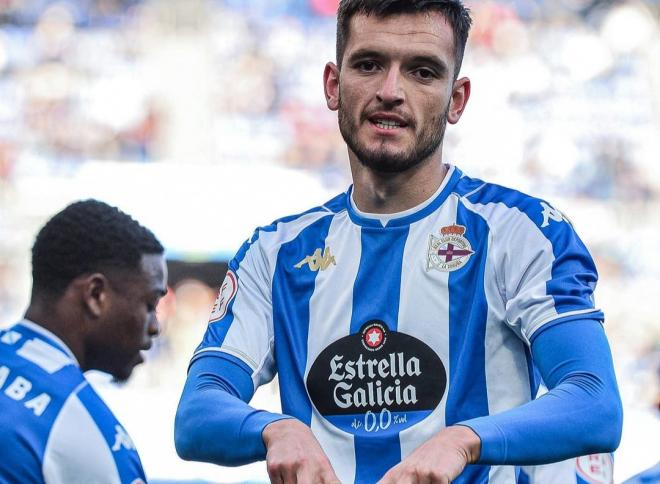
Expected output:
(450, 251)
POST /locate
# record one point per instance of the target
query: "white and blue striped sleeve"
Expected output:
(547, 273)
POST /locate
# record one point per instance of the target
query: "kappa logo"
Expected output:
(122, 439)
(318, 261)
(449, 252)
(550, 213)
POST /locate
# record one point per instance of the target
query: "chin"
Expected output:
(122, 376)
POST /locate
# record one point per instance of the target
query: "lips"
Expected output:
(387, 121)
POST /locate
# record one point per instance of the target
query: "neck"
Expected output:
(379, 192)
(48, 314)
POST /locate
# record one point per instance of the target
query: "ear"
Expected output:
(95, 293)
(331, 85)
(459, 97)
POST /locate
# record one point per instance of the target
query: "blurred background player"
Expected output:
(97, 277)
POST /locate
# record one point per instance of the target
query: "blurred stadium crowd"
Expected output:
(565, 104)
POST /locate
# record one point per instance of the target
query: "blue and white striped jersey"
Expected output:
(54, 428)
(588, 469)
(383, 333)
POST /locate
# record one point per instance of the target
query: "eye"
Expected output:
(425, 73)
(367, 66)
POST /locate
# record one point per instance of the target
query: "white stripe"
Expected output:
(330, 320)
(557, 473)
(424, 311)
(252, 327)
(502, 475)
(44, 355)
(525, 263)
(507, 375)
(76, 452)
(49, 335)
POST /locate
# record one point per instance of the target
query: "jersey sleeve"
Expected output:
(546, 271)
(87, 444)
(580, 415)
(241, 322)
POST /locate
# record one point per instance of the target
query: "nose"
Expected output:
(391, 91)
(153, 328)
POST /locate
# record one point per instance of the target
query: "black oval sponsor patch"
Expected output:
(376, 380)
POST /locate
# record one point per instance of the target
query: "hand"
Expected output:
(293, 455)
(439, 460)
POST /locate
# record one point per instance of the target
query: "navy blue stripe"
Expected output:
(376, 296)
(292, 289)
(467, 396)
(126, 460)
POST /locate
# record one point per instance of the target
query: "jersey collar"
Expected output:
(49, 337)
(409, 216)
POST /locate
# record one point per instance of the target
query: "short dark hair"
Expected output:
(456, 14)
(87, 236)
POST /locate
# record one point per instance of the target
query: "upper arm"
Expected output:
(547, 272)
(241, 322)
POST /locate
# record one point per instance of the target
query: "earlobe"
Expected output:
(331, 86)
(459, 98)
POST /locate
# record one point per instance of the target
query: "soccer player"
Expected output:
(405, 316)
(97, 277)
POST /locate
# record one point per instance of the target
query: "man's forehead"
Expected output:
(154, 269)
(430, 24)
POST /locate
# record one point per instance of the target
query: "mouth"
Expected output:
(387, 122)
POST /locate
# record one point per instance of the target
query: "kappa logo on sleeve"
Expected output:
(550, 213)
(225, 296)
(122, 440)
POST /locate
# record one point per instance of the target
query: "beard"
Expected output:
(385, 160)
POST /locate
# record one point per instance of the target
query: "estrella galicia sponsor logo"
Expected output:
(376, 380)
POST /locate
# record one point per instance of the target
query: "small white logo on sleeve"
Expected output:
(122, 439)
(225, 295)
(550, 213)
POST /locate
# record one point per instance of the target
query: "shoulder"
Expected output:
(270, 237)
(36, 380)
(87, 440)
(503, 206)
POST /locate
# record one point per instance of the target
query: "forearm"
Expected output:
(580, 415)
(213, 422)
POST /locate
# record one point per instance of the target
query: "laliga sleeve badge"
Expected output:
(595, 468)
(449, 252)
(225, 296)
